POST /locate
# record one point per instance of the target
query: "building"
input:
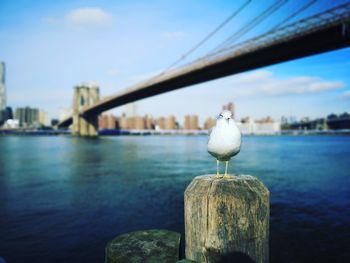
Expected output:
(262, 126)
(209, 123)
(160, 123)
(123, 122)
(332, 122)
(246, 125)
(108, 121)
(28, 117)
(191, 122)
(150, 123)
(139, 123)
(170, 123)
(134, 123)
(266, 126)
(21, 116)
(54, 122)
(194, 122)
(43, 118)
(11, 124)
(5, 114)
(131, 109)
(335, 122)
(230, 107)
(2, 86)
(130, 123)
(112, 122)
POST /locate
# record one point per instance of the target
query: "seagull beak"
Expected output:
(228, 120)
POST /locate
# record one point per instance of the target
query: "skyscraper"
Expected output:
(2, 86)
(131, 110)
(230, 107)
(209, 123)
(191, 122)
(28, 117)
(170, 123)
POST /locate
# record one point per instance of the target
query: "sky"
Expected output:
(51, 46)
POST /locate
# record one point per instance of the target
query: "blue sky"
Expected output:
(50, 46)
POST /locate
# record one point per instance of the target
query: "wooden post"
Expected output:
(146, 246)
(227, 220)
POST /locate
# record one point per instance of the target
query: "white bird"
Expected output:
(224, 140)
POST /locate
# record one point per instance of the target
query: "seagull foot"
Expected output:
(225, 176)
(217, 176)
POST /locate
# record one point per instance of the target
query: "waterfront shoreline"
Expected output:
(116, 132)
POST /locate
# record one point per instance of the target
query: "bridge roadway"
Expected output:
(317, 36)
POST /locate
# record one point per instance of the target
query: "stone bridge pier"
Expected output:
(85, 95)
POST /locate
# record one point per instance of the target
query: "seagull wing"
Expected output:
(209, 131)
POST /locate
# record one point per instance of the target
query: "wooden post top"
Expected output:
(240, 185)
(226, 218)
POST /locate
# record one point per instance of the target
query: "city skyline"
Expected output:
(124, 43)
(2, 86)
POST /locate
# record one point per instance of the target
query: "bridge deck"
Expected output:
(310, 36)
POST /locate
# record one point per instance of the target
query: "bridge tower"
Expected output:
(85, 95)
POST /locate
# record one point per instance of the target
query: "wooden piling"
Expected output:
(227, 220)
(147, 246)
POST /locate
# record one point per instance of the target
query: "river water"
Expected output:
(63, 198)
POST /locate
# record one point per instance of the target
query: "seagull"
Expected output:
(224, 140)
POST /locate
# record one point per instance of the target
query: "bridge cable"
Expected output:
(252, 24)
(273, 8)
(284, 21)
(291, 16)
(212, 33)
(280, 24)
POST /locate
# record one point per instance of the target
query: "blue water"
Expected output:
(63, 198)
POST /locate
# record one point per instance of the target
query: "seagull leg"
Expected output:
(225, 175)
(217, 169)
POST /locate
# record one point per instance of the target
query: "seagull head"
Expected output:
(225, 115)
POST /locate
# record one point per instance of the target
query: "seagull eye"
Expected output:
(221, 115)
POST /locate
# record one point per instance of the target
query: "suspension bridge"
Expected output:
(320, 32)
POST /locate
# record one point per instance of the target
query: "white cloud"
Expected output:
(346, 95)
(265, 83)
(174, 34)
(262, 82)
(81, 17)
(88, 16)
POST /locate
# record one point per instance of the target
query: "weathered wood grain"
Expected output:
(227, 219)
